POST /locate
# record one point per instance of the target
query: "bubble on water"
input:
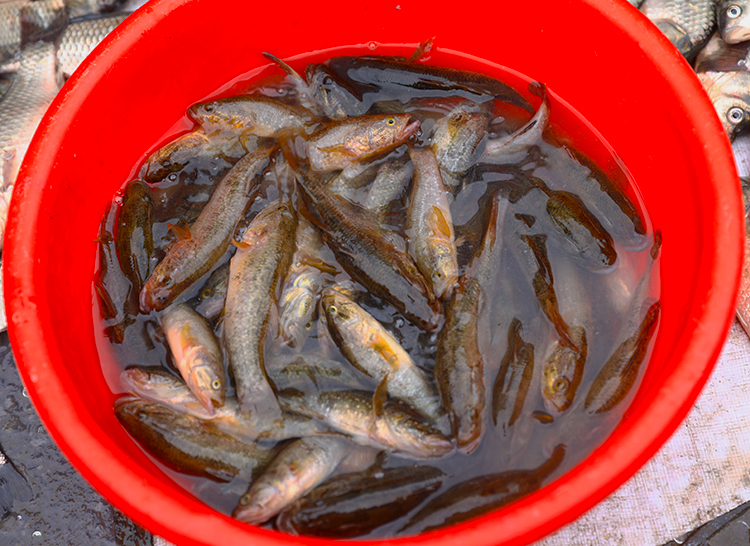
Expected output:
(36, 534)
(372, 45)
(399, 322)
(25, 393)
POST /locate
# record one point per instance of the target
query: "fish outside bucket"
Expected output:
(602, 57)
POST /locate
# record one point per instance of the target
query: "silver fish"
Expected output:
(81, 37)
(733, 18)
(40, 15)
(21, 110)
(686, 23)
(82, 8)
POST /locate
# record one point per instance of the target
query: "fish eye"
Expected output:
(332, 310)
(734, 11)
(245, 499)
(438, 275)
(309, 326)
(216, 384)
(172, 177)
(391, 121)
(735, 114)
(208, 108)
(560, 384)
(280, 207)
(206, 293)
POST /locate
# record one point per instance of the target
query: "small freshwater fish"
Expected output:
(213, 294)
(161, 387)
(620, 372)
(341, 144)
(196, 353)
(513, 378)
(302, 285)
(429, 225)
(247, 113)
(374, 351)
(482, 494)
(208, 238)
(297, 469)
(262, 256)
(355, 504)
(134, 240)
(391, 76)
(733, 18)
(372, 420)
(191, 445)
(367, 252)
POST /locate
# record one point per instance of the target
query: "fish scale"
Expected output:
(80, 38)
(696, 17)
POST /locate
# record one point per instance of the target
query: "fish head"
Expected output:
(388, 131)
(157, 292)
(734, 21)
(339, 310)
(445, 273)
(221, 113)
(562, 372)
(297, 319)
(207, 385)
(135, 380)
(730, 94)
(408, 433)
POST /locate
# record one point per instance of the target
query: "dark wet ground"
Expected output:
(44, 502)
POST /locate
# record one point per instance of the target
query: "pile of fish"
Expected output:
(42, 42)
(714, 35)
(334, 280)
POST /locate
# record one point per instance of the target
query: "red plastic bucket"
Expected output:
(602, 57)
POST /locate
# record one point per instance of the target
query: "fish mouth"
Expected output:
(409, 130)
(736, 35)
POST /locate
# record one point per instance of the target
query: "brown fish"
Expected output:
(297, 469)
(208, 238)
(366, 251)
(263, 254)
(344, 143)
(134, 239)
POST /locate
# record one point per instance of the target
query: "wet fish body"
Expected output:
(134, 240)
(393, 427)
(191, 445)
(80, 38)
(196, 353)
(391, 76)
(297, 469)
(336, 97)
(686, 23)
(730, 94)
(257, 115)
(212, 296)
(456, 138)
(367, 253)
(163, 388)
(389, 183)
(209, 236)
(302, 285)
(373, 350)
(264, 252)
(356, 504)
(429, 225)
(482, 494)
(513, 379)
(340, 144)
(743, 302)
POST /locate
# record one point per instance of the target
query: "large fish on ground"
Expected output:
(733, 17)
(686, 23)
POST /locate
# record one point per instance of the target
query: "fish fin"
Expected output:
(181, 233)
(38, 24)
(240, 244)
(108, 307)
(422, 53)
(437, 219)
(319, 264)
(379, 398)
